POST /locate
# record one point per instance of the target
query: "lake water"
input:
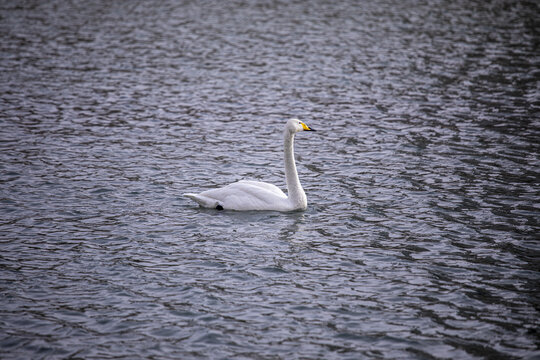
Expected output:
(420, 240)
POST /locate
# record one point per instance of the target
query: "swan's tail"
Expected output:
(202, 200)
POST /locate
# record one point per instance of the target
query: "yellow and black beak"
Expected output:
(307, 128)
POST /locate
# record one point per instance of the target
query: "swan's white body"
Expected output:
(256, 195)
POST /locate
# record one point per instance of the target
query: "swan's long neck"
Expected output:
(295, 192)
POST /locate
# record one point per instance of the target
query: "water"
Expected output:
(421, 236)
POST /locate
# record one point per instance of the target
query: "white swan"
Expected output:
(256, 195)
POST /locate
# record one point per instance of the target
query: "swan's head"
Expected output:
(295, 125)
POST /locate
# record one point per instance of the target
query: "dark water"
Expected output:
(421, 236)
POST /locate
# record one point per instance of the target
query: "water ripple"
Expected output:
(420, 240)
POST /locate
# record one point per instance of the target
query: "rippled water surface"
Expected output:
(421, 236)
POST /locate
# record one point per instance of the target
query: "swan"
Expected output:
(247, 195)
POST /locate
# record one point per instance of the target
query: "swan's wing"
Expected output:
(270, 187)
(244, 195)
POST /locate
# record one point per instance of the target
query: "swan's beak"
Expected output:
(307, 128)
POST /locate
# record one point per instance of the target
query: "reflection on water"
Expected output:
(420, 240)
